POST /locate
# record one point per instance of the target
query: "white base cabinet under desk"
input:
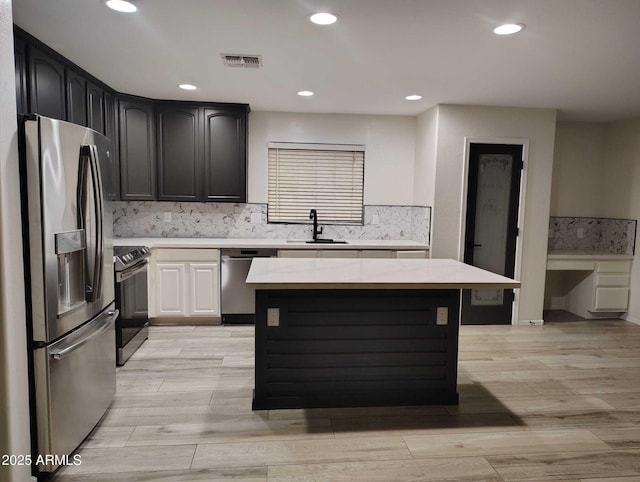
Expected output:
(595, 288)
(185, 285)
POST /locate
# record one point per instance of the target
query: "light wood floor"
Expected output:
(553, 402)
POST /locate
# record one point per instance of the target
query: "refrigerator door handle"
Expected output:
(65, 347)
(81, 191)
(89, 156)
(99, 196)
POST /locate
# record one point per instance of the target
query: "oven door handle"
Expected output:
(126, 274)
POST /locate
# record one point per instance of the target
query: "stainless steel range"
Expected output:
(132, 326)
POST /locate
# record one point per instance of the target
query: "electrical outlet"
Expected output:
(256, 218)
(442, 315)
(375, 219)
(580, 233)
(273, 316)
(167, 217)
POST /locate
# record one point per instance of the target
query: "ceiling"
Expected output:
(578, 56)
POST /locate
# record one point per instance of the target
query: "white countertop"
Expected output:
(323, 273)
(585, 254)
(266, 243)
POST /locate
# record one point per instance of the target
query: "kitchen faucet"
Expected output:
(313, 214)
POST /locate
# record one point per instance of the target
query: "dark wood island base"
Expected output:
(355, 347)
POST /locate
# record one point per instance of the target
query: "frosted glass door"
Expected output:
(492, 217)
(493, 192)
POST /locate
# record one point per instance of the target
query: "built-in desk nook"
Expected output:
(587, 283)
(359, 332)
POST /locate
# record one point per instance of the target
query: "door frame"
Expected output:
(519, 141)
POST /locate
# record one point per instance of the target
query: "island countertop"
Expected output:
(318, 273)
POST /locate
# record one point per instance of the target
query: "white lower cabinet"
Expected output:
(611, 285)
(185, 283)
(338, 253)
(205, 289)
(170, 290)
(594, 288)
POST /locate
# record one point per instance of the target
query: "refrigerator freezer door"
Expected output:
(70, 225)
(75, 383)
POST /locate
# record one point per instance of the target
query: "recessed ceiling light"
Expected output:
(413, 97)
(121, 6)
(187, 87)
(508, 29)
(305, 93)
(323, 18)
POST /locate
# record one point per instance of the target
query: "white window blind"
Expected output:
(326, 177)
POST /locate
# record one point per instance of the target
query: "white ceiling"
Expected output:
(581, 57)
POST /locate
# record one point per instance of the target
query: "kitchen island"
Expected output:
(359, 332)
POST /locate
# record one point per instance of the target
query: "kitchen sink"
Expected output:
(317, 241)
(326, 241)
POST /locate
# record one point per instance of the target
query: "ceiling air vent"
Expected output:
(237, 60)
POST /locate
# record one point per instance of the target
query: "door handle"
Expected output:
(88, 157)
(63, 348)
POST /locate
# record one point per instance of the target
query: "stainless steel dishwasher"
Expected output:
(238, 300)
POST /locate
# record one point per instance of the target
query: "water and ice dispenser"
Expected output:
(70, 249)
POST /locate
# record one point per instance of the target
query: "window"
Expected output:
(326, 177)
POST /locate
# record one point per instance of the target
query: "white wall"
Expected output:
(426, 148)
(578, 169)
(389, 157)
(14, 401)
(455, 123)
(621, 183)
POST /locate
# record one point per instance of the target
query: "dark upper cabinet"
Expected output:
(46, 85)
(179, 153)
(111, 131)
(76, 88)
(20, 58)
(201, 152)
(95, 107)
(162, 150)
(225, 154)
(137, 150)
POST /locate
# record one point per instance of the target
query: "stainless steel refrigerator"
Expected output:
(69, 245)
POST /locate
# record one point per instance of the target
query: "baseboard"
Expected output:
(184, 321)
(631, 319)
(531, 322)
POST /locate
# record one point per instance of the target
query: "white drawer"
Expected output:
(614, 266)
(377, 253)
(611, 299)
(421, 254)
(572, 265)
(186, 254)
(338, 253)
(297, 253)
(607, 279)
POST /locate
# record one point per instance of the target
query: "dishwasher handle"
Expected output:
(242, 253)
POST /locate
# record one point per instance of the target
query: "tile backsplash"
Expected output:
(225, 220)
(599, 234)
